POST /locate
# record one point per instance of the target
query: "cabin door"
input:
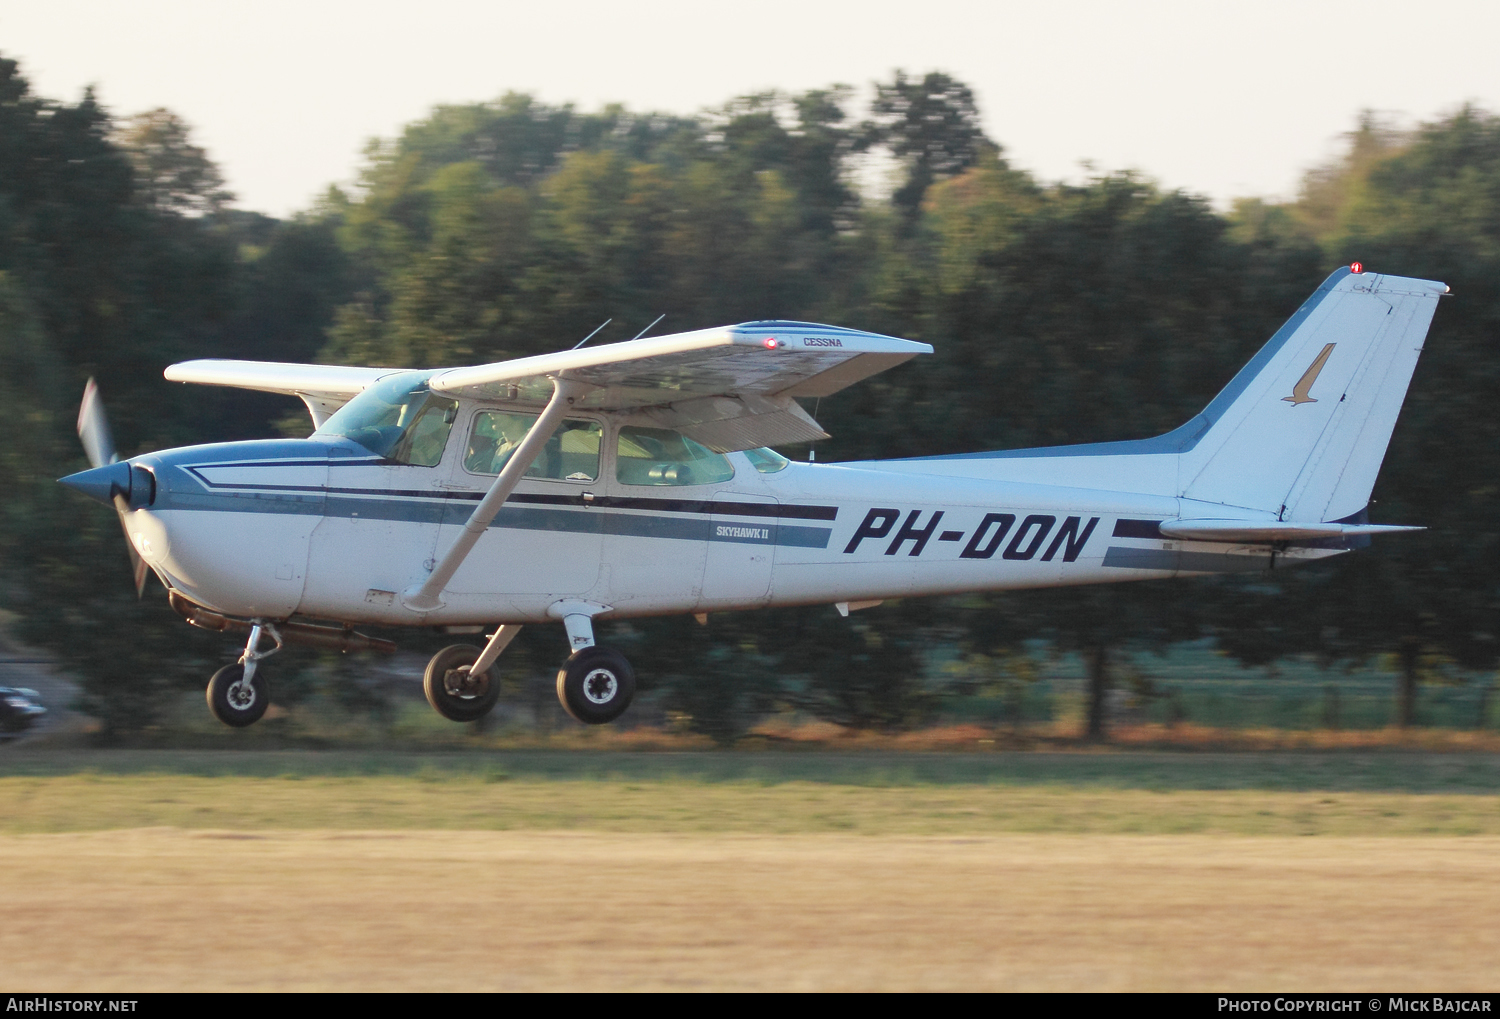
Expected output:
(741, 548)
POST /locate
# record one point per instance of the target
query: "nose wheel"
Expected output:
(236, 699)
(238, 694)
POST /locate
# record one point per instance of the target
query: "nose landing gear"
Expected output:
(237, 694)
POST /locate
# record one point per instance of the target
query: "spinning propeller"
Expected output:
(109, 480)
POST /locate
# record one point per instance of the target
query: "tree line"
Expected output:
(1059, 312)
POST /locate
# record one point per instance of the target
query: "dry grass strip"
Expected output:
(167, 909)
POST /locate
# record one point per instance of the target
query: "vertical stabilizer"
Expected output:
(1302, 430)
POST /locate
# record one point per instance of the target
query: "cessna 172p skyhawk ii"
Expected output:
(635, 479)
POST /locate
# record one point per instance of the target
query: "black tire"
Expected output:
(595, 685)
(233, 702)
(453, 692)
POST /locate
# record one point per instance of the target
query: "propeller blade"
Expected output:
(109, 485)
(137, 564)
(93, 428)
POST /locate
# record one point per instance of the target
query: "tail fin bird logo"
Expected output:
(1299, 391)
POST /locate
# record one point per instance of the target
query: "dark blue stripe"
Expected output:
(1186, 562)
(1137, 528)
(249, 502)
(718, 506)
(433, 511)
(438, 509)
(812, 327)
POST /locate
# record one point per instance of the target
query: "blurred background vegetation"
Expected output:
(1060, 313)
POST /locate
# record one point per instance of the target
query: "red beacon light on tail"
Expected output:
(1356, 267)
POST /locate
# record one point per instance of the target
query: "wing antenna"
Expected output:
(650, 327)
(591, 335)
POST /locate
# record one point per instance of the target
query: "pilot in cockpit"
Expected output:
(494, 438)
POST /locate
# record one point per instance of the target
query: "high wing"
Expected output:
(730, 388)
(323, 387)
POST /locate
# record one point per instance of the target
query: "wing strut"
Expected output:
(429, 595)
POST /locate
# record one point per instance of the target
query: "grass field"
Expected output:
(874, 794)
(146, 870)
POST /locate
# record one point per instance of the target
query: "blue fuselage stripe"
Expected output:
(439, 508)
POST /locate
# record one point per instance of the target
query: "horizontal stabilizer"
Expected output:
(1252, 532)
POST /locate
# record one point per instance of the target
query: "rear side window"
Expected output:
(767, 461)
(659, 456)
(572, 454)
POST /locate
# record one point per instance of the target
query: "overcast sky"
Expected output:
(1227, 99)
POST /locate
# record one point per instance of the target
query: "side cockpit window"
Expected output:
(572, 454)
(659, 456)
(397, 418)
(422, 444)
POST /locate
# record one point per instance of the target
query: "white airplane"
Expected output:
(634, 479)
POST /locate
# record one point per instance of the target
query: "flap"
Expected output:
(728, 423)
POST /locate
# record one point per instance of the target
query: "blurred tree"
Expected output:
(93, 281)
(1332, 187)
(1423, 204)
(30, 383)
(932, 126)
(1060, 314)
(171, 173)
(804, 139)
(865, 672)
(472, 251)
(719, 680)
(1083, 314)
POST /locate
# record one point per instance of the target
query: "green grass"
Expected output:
(1369, 771)
(873, 793)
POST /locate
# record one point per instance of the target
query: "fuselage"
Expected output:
(324, 528)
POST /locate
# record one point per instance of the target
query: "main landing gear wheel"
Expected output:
(595, 685)
(456, 694)
(234, 701)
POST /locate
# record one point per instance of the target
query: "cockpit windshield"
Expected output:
(397, 418)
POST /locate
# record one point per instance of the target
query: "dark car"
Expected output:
(19, 710)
